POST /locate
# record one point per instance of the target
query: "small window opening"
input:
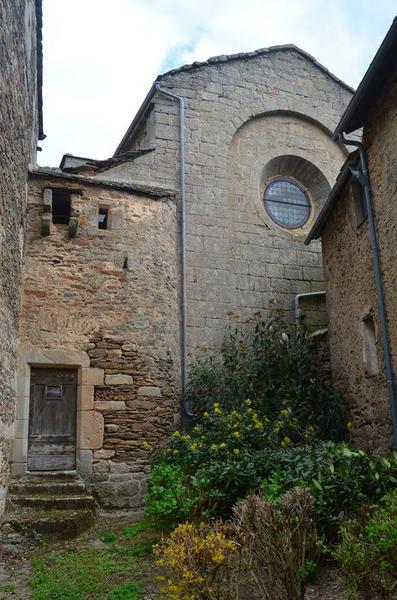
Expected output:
(103, 214)
(369, 346)
(359, 204)
(61, 206)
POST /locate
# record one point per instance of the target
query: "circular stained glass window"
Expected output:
(287, 203)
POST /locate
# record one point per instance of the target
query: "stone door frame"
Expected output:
(89, 425)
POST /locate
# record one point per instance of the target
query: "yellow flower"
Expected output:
(175, 451)
(349, 426)
(176, 434)
(193, 447)
(286, 441)
(216, 405)
(285, 412)
(206, 415)
(223, 445)
(236, 451)
(217, 411)
(186, 437)
(248, 402)
(214, 447)
(236, 434)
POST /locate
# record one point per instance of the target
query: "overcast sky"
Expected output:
(101, 56)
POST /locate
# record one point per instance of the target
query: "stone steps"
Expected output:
(61, 524)
(52, 503)
(55, 502)
(46, 487)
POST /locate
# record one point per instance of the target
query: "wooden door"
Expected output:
(52, 420)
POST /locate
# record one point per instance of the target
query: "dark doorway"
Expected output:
(52, 419)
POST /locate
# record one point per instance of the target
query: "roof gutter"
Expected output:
(363, 178)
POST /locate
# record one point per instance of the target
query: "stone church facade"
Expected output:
(249, 118)
(101, 321)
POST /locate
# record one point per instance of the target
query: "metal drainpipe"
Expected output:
(183, 233)
(365, 183)
(304, 295)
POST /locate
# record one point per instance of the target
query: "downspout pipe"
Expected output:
(304, 295)
(363, 178)
(182, 189)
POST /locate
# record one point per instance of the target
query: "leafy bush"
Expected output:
(169, 499)
(200, 562)
(262, 548)
(204, 473)
(368, 552)
(340, 478)
(222, 433)
(274, 364)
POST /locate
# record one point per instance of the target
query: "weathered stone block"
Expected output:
(91, 376)
(91, 424)
(118, 379)
(111, 428)
(141, 404)
(104, 454)
(110, 405)
(149, 391)
(84, 461)
(86, 397)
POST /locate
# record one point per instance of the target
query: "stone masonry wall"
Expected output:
(241, 114)
(112, 295)
(18, 138)
(351, 286)
(351, 297)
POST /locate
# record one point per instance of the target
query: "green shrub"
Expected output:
(169, 499)
(274, 364)
(203, 474)
(340, 478)
(368, 552)
(222, 434)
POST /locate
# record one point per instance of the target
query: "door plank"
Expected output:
(52, 419)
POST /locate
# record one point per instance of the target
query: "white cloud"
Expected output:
(101, 57)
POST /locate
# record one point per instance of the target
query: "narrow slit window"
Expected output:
(103, 218)
(369, 347)
(61, 206)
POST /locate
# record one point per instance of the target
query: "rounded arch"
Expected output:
(288, 108)
(281, 143)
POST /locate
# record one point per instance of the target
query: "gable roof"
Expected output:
(213, 61)
(382, 66)
(74, 164)
(228, 58)
(133, 188)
